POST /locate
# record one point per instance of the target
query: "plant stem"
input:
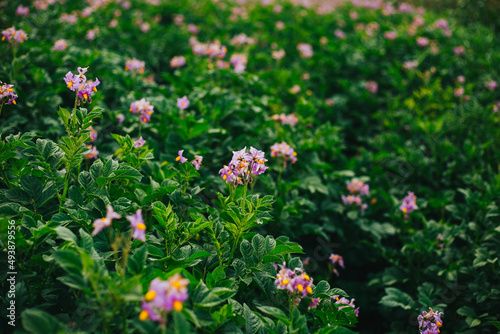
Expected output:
(6, 179)
(244, 199)
(66, 186)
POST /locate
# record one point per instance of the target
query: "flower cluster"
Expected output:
(291, 119)
(491, 85)
(357, 188)
(7, 92)
(409, 204)
(198, 159)
(335, 258)
(278, 54)
(163, 297)
(288, 279)
(213, 49)
(78, 83)
(430, 322)
(242, 39)
(135, 65)
(22, 11)
(305, 50)
(144, 108)
(93, 153)
(344, 302)
(284, 150)
(243, 165)
(177, 61)
(239, 62)
(13, 35)
(60, 45)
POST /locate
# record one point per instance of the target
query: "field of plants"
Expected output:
(187, 166)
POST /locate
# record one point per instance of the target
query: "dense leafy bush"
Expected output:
(114, 233)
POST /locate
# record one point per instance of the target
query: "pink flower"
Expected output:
(278, 54)
(371, 86)
(280, 25)
(491, 85)
(461, 79)
(138, 226)
(180, 157)
(390, 35)
(458, 50)
(339, 34)
(139, 143)
(60, 45)
(422, 41)
(22, 11)
(305, 50)
(193, 29)
(459, 91)
(101, 223)
(198, 159)
(92, 33)
(177, 61)
(183, 102)
(135, 65)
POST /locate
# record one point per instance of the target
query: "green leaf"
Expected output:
(39, 322)
(397, 298)
(253, 323)
(259, 246)
(32, 186)
(275, 312)
(137, 261)
(66, 234)
(181, 326)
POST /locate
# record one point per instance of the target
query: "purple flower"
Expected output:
(491, 85)
(298, 284)
(135, 65)
(339, 34)
(120, 118)
(138, 225)
(13, 35)
(422, 41)
(6, 91)
(344, 302)
(101, 223)
(314, 303)
(358, 186)
(371, 86)
(93, 152)
(144, 108)
(164, 296)
(60, 45)
(22, 11)
(198, 159)
(72, 81)
(335, 258)
(139, 143)
(390, 35)
(183, 103)
(284, 150)
(93, 133)
(409, 204)
(305, 50)
(257, 161)
(180, 157)
(430, 322)
(178, 61)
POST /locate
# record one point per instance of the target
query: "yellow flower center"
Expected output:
(404, 210)
(150, 295)
(224, 177)
(178, 158)
(176, 284)
(439, 324)
(144, 315)
(309, 290)
(178, 306)
(306, 277)
(300, 287)
(94, 89)
(141, 226)
(285, 282)
(70, 84)
(85, 96)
